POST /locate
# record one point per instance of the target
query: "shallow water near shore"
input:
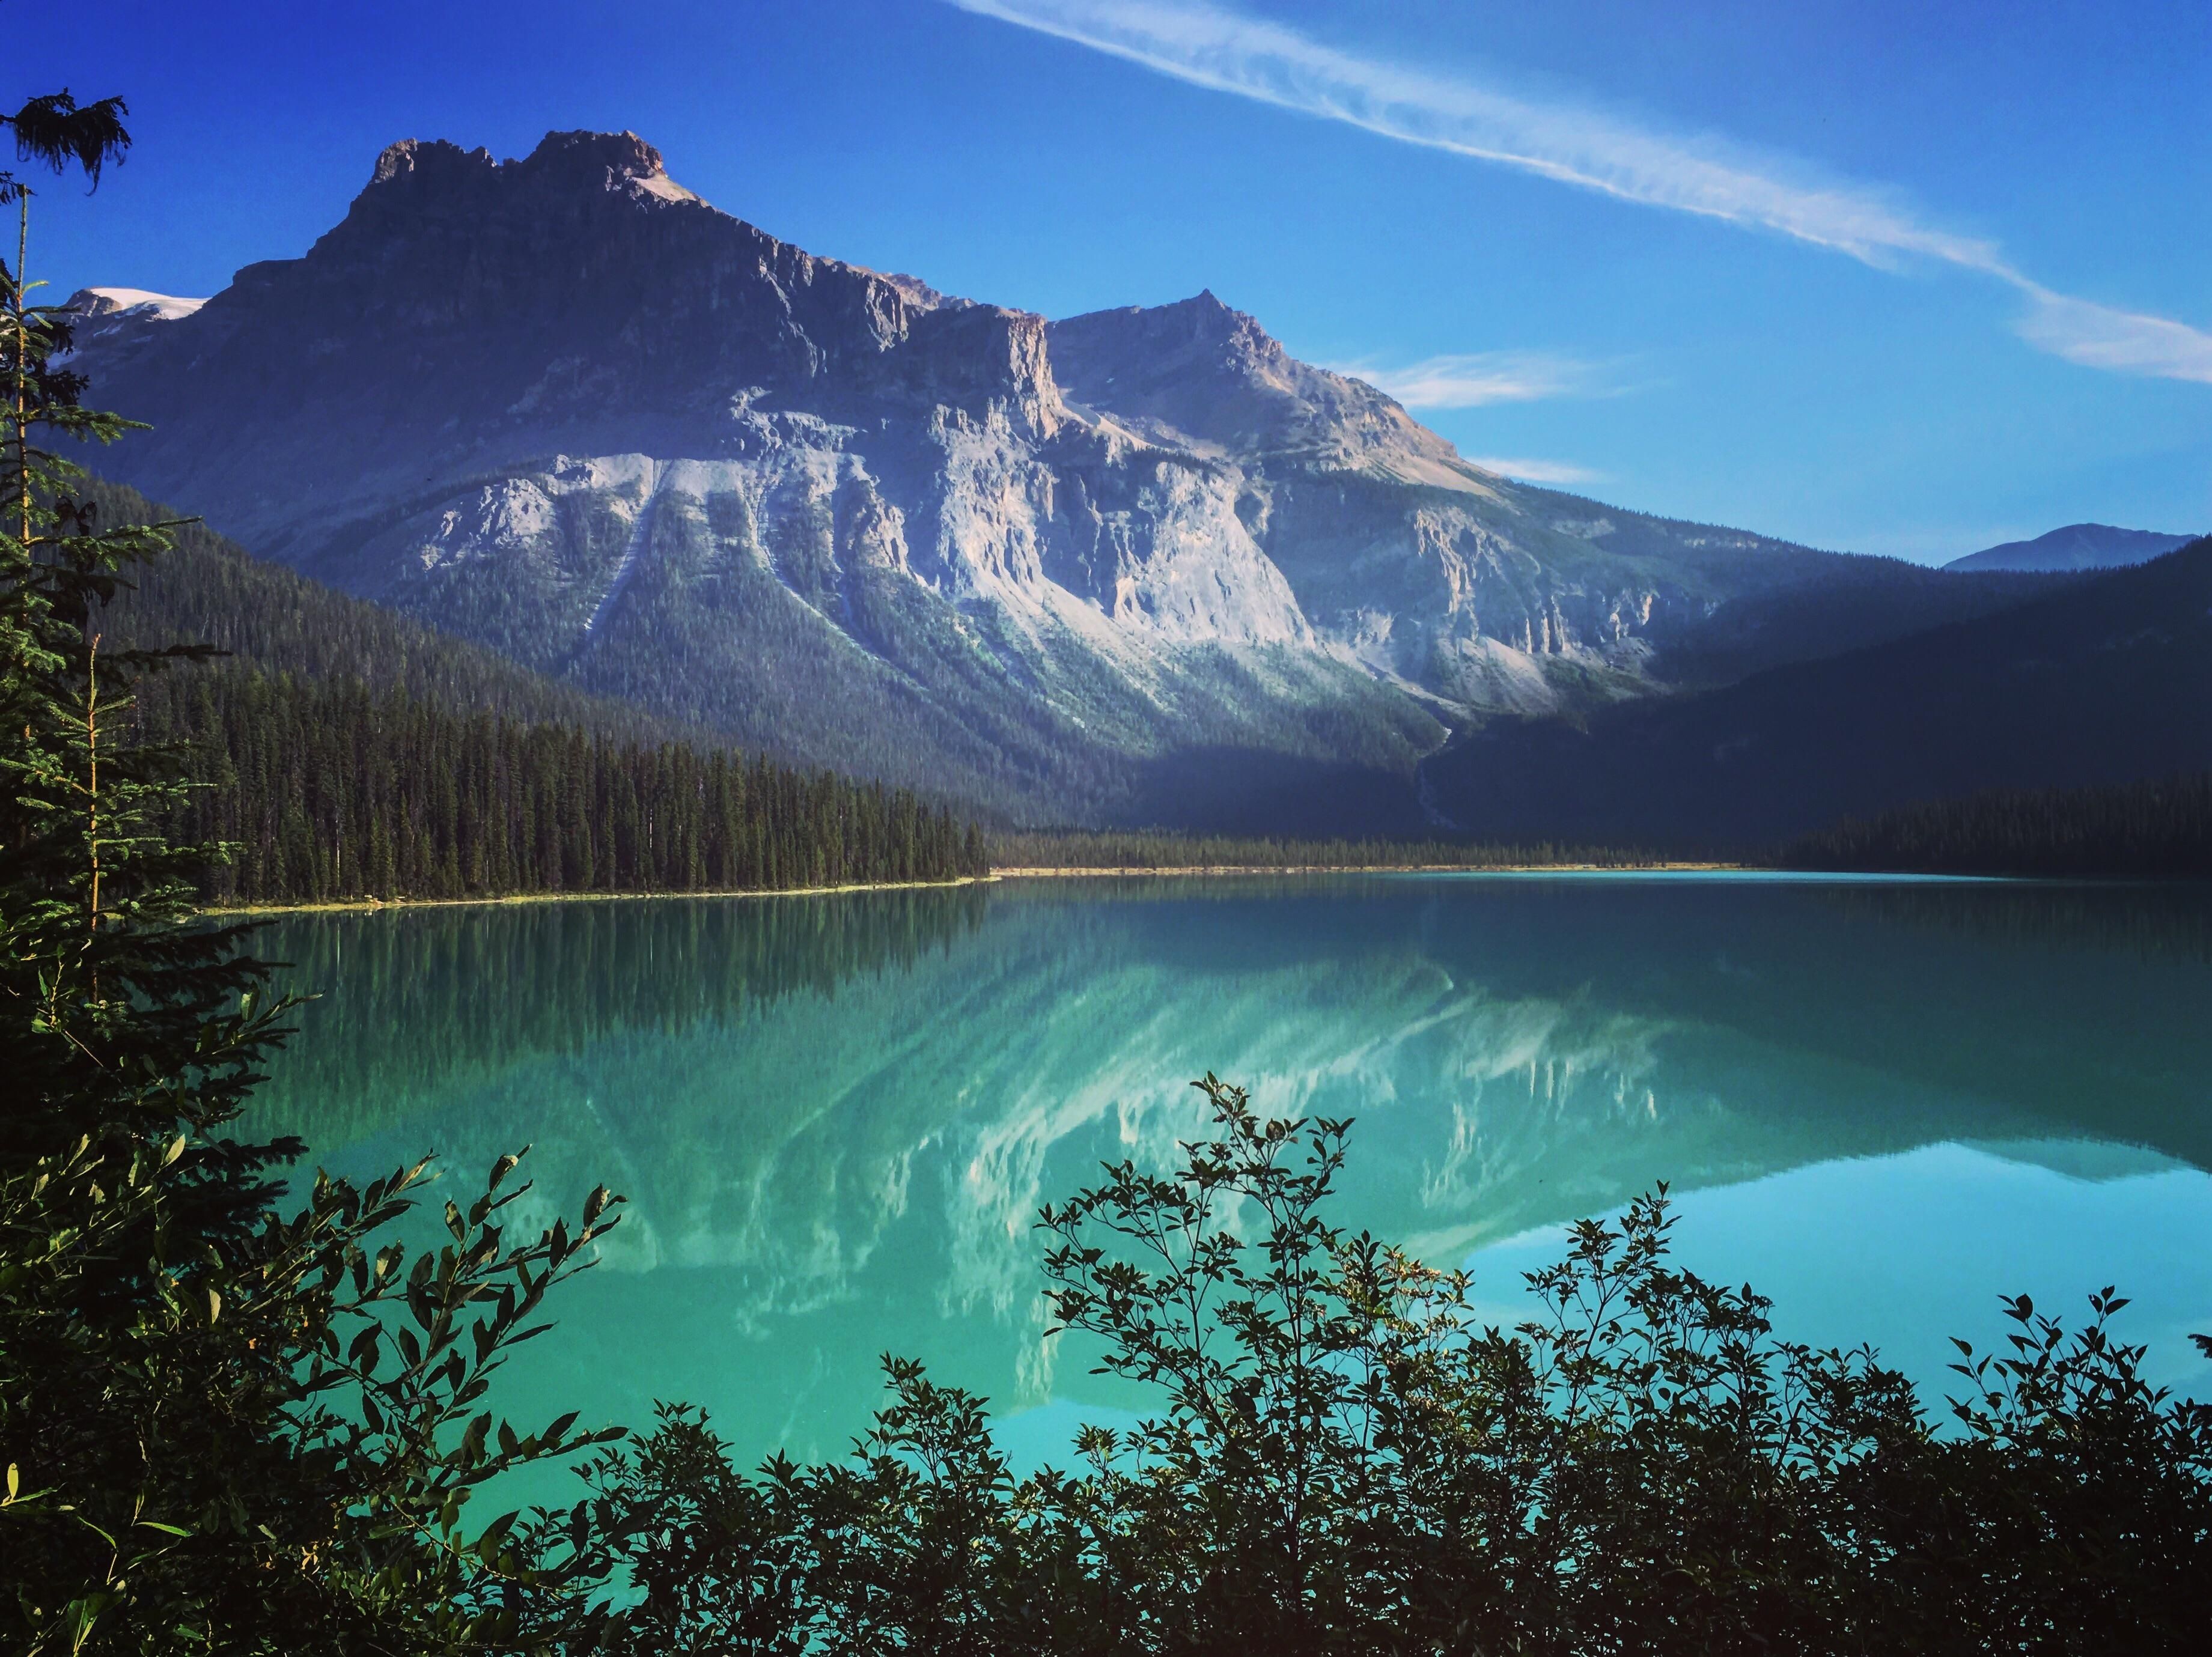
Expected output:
(1881, 1103)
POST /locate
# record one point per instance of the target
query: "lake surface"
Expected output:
(1882, 1102)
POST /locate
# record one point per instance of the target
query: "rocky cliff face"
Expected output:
(563, 406)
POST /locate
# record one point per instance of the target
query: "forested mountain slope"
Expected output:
(353, 752)
(1076, 570)
(2107, 680)
(1842, 605)
(2160, 826)
(270, 619)
(329, 791)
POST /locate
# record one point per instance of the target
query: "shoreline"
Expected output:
(1044, 873)
(1119, 871)
(374, 905)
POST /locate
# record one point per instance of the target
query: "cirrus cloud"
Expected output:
(1474, 380)
(1531, 470)
(1226, 51)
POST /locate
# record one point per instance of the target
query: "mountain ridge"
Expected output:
(561, 406)
(2103, 679)
(2075, 547)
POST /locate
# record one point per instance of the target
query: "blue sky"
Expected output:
(1890, 278)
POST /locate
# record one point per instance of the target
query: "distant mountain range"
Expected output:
(1141, 566)
(2108, 679)
(2076, 547)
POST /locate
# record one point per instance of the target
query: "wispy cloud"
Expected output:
(1536, 471)
(2126, 342)
(1226, 51)
(1470, 382)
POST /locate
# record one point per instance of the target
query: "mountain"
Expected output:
(352, 752)
(2107, 680)
(271, 621)
(1137, 566)
(2078, 546)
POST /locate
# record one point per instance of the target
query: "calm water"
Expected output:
(1881, 1103)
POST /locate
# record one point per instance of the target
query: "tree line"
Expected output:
(2161, 828)
(348, 752)
(1158, 849)
(328, 790)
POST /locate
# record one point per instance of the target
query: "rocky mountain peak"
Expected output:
(1211, 321)
(431, 180)
(577, 299)
(1200, 334)
(923, 297)
(435, 158)
(1199, 374)
(585, 158)
(562, 160)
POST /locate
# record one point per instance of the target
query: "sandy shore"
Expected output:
(371, 904)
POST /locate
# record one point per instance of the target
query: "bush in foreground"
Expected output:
(1344, 1459)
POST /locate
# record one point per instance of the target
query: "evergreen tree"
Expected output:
(2157, 829)
(329, 790)
(216, 1433)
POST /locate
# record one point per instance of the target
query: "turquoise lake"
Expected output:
(1880, 1102)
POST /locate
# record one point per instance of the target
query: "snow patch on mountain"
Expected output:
(134, 302)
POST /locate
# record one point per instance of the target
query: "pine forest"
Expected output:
(331, 792)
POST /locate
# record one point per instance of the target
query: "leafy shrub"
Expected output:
(1346, 1459)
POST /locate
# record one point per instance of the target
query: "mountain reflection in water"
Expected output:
(836, 1117)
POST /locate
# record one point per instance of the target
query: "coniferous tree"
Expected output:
(330, 790)
(2158, 828)
(215, 1434)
